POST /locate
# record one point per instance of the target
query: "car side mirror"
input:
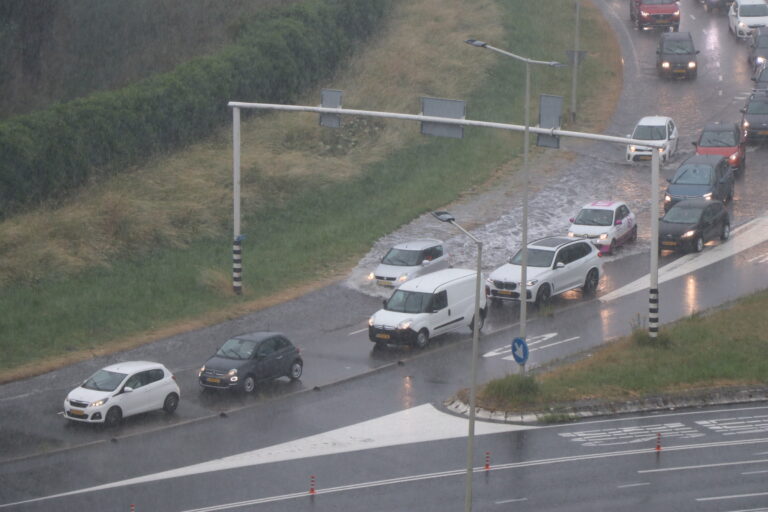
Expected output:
(127, 389)
(572, 219)
(425, 263)
(559, 264)
(743, 110)
(669, 180)
(618, 222)
(695, 144)
(754, 79)
(384, 302)
(698, 52)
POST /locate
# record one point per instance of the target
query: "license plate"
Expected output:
(668, 243)
(762, 132)
(383, 336)
(644, 157)
(679, 71)
(505, 292)
(382, 282)
(213, 380)
(77, 412)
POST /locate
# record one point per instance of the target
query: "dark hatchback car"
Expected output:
(758, 47)
(700, 176)
(754, 118)
(676, 55)
(724, 139)
(690, 224)
(248, 359)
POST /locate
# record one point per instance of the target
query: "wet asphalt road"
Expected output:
(329, 326)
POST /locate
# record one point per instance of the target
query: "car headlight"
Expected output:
(370, 322)
(644, 14)
(689, 234)
(707, 196)
(734, 157)
(232, 372)
(532, 282)
(370, 276)
(665, 65)
(405, 324)
(676, 13)
(632, 149)
(745, 124)
(403, 278)
(759, 60)
(667, 198)
(201, 370)
(742, 25)
(603, 236)
(98, 403)
(571, 234)
(691, 65)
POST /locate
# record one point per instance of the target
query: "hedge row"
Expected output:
(50, 153)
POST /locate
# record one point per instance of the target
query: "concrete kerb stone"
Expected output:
(592, 409)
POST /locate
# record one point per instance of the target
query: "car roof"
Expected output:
(718, 126)
(428, 283)
(257, 336)
(653, 121)
(603, 204)
(132, 366)
(417, 245)
(712, 160)
(553, 242)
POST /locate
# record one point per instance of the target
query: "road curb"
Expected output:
(562, 413)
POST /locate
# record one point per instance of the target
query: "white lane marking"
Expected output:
(513, 500)
(403, 427)
(512, 358)
(639, 484)
(760, 258)
(755, 472)
(704, 466)
(632, 435)
(746, 236)
(733, 496)
(735, 426)
(357, 332)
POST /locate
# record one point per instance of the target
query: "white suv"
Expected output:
(746, 15)
(555, 265)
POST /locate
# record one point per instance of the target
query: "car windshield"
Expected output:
(409, 302)
(104, 380)
(693, 174)
(683, 215)
(237, 349)
(646, 132)
(590, 217)
(536, 257)
(403, 258)
(678, 47)
(750, 10)
(757, 107)
(718, 139)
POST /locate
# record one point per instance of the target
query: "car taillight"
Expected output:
(599, 254)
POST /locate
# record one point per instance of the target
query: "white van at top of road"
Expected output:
(427, 306)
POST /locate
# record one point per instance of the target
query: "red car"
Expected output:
(724, 139)
(655, 13)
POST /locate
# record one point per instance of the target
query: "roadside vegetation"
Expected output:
(722, 349)
(148, 253)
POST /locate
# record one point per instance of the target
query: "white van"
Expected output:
(427, 306)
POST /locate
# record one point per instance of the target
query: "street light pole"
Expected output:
(447, 217)
(526, 142)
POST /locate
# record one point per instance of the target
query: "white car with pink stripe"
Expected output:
(608, 224)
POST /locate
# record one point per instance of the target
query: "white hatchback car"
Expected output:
(607, 224)
(408, 260)
(555, 265)
(122, 390)
(746, 15)
(655, 128)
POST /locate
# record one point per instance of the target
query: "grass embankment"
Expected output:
(725, 348)
(149, 253)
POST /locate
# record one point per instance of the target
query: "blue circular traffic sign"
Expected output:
(520, 350)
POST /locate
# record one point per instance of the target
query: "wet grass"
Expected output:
(152, 250)
(725, 348)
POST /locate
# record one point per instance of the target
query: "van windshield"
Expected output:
(409, 302)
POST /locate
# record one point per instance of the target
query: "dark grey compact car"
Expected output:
(754, 119)
(758, 47)
(676, 55)
(700, 176)
(689, 224)
(247, 359)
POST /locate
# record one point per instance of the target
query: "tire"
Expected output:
(676, 28)
(297, 368)
(590, 283)
(543, 295)
(249, 384)
(422, 339)
(725, 234)
(742, 165)
(480, 325)
(612, 247)
(113, 418)
(698, 244)
(171, 403)
(633, 236)
(729, 197)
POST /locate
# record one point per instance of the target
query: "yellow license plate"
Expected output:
(679, 71)
(644, 157)
(383, 336)
(213, 380)
(668, 243)
(505, 292)
(381, 282)
(762, 133)
(77, 412)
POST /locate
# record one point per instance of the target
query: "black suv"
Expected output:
(700, 176)
(676, 55)
(754, 118)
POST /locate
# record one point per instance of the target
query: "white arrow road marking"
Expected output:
(416, 425)
(748, 235)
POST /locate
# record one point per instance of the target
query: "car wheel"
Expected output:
(730, 194)
(422, 339)
(742, 164)
(726, 233)
(698, 244)
(297, 368)
(633, 236)
(249, 384)
(113, 418)
(480, 324)
(590, 283)
(612, 247)
(676, 28)
(171, 403)
(543, 295)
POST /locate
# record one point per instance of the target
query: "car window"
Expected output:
(621, 212)
(409, 302)
(718, 139)
(104, 380)
(670, 128)
(678, 46)
(155, 375)
(693, 174)
(536, 258)
(751, 10)
(236, 348)
(281, 343)
(580, 250)
(680, 215)
(757, 107)
(594, 217)
(138, 380)
(266, 348)
(646, 132)
(440, 300)
(403, 258)
(564, 255)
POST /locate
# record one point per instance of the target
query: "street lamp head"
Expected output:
(444, 216)
(475, 42)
